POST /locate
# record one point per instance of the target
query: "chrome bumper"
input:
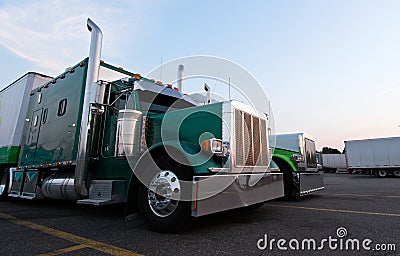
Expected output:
(311, 182)
(218, 193)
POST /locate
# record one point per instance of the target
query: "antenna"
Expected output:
(229, 84)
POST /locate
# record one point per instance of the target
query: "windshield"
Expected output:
(311, 159)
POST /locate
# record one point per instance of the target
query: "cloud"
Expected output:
(390, 90)
(53, 35)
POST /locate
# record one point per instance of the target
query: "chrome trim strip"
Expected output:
(222, 170)
(303, 193)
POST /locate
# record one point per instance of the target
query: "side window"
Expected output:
(44, 118)
(35, 121)
(62, 107)
(39, 99)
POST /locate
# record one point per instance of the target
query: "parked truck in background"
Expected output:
(333, 162)
(14, 101)
(295, 156)
(380, 156)
(319, 161)
(97, 134)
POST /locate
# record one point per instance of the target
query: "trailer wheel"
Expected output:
(396, 173)
(4, 184)
(381, 173)
(159, 201)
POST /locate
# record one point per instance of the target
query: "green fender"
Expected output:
(200, 163)
(287, 160)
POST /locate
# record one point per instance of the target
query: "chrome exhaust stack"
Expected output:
(181, 70)
(92, 93)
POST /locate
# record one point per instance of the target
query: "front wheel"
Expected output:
(159, 202)
(290, 181)
(4, 184)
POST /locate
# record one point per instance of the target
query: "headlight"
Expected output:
(297, 158)
(214, 146)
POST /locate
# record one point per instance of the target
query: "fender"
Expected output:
(287, 159)
(200, 163)
(291, 182)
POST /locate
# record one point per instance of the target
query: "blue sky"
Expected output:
(330, 68)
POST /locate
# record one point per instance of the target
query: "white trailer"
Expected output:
(14, 101)
(380, 156)
(332, 162)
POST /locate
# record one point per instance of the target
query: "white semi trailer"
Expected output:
(380, 156)
(332, 162)
(14, 100)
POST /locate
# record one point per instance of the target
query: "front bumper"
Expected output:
(218, 193)
(310, 182)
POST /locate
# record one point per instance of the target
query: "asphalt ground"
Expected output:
(365, 206)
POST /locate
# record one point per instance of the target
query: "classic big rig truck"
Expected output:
(97, 134)
(295, 156)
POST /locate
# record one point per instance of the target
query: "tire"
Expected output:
(290, 188)
(366, 172)
(381, 173)
(288, 184)
(396, 173)
(177, 214)
(4, 184)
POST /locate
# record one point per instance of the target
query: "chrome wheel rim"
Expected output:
(163, 193)
(396, 173)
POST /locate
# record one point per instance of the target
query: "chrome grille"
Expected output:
(256, 140)
(239, 138)
(250, 140)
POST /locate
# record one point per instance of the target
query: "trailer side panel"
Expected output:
(14, 101)
(373, 153)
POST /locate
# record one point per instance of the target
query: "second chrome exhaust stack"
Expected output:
(181, 71)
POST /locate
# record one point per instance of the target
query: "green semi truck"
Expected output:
(295, 156)
(99, 135)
